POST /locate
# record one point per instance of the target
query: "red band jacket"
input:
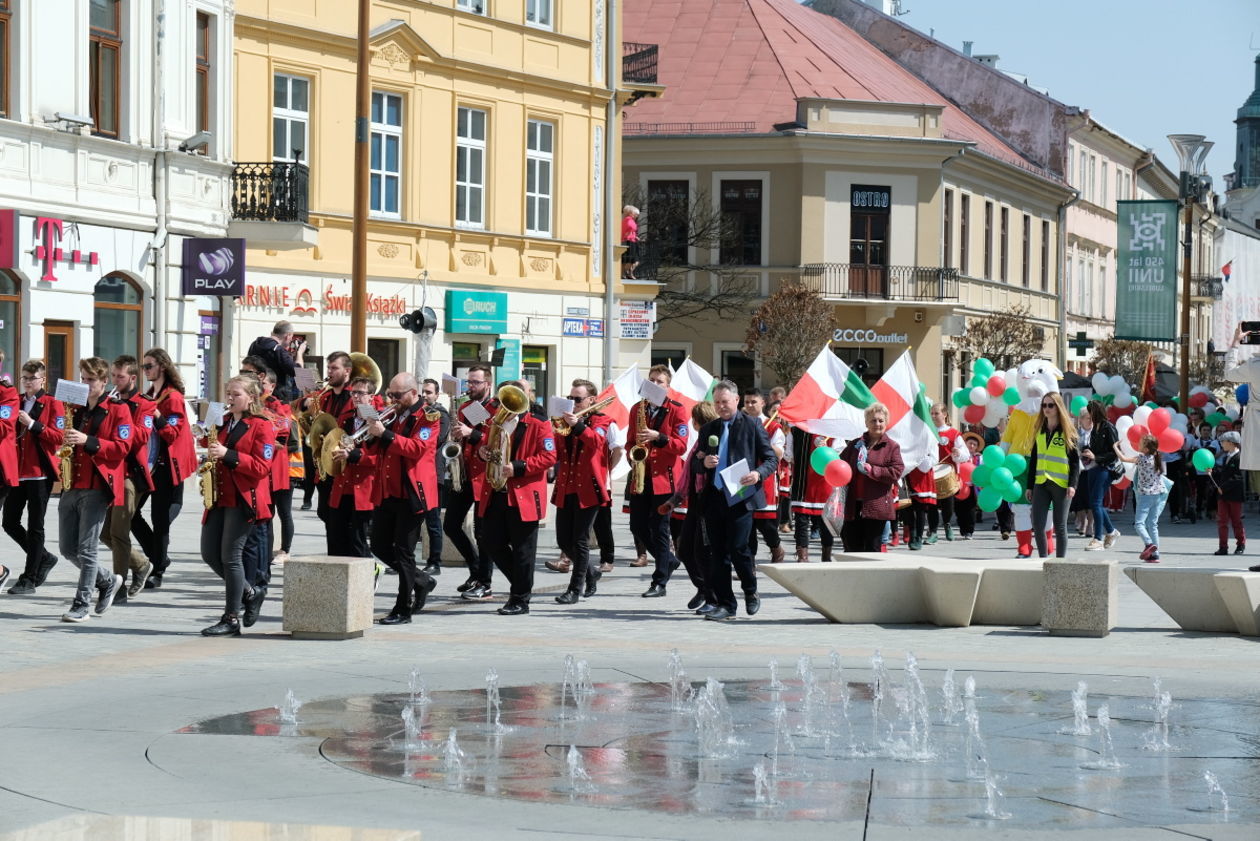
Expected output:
(8, 435)
(281, 415)
(360, 477)
(533, 453)
(407, 459)
(475, 467)
(582, 462)
(243, 471)
(98, 462)
(38, 444)
(665, 454)
(340, 406)
(172, 425)
(136, 465)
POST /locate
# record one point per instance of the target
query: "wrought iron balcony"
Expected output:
(270, 192)
(1207, 286)
(886, 283)
(638, 62)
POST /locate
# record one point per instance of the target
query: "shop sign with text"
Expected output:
(213, 266)
(868, 337)
(476, 312)
(301, 300)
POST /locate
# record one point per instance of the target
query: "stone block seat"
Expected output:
(328, 597)
(876, 588)
(1204, 599)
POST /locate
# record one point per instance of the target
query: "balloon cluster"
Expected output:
(1169, 430)
(827, 463)
(997, 477)
(988, 398)
(1112, 391)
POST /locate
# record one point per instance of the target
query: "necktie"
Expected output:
(723, 460)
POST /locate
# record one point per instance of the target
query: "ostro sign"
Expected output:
(869, 337)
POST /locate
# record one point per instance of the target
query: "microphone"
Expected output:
(713, 442)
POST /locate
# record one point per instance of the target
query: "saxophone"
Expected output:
(66, 453)
(207, 473)
(638, 453)
(453, 454)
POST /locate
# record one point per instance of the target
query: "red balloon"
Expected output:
(838, 473)
(1113, 414)
(1135, 434)
(1199, 399)
(1122, 484)
(996, 386)
(973, 414)
(965, 470)
(1159, 420)
(963, 492)
(1170, 440)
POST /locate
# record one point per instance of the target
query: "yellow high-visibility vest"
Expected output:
(1052, 460)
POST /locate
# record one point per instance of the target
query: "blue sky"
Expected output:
(1144, 68)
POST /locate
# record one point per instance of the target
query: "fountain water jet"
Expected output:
(1080, 712)
(289, 709)
(579, 780)
(775, 684)
(715, 728)
(419, 691)
(952, 702)
(1107, 760)
(1157, 737)
(453, 760)
(680, 692)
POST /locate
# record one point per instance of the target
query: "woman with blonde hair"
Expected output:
(1054, 465)
(871, 502)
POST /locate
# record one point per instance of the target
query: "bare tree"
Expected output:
(787, 330)
(1122, 357)
(676, 227)
(1006, 337)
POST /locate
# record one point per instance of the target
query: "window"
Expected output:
(119, 318)
(1071, 169)
(104, 62)
(538, 13)
(6, 14)
(1102, 290)
(988, 240)
(290, 118)
(534, 369)
(477, 7)
(10, 321)
(741, 223)
(1081, 181)
(470, 168)
(668, 203)
(387, 353)
(948, 233)
(668, 356)
(385, 166)
(1004, 255)
(1089, 172)
(1026, 253)
(1119, 185)
(1102, 183)
(739, 368)
(539, 166)
(203, 76)
(870, 207)
(1045, 256)
(964, 233)
(854, 357)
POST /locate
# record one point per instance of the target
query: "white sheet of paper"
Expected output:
(652, 392)
(305, 378)
(730, 481)
(476, 414)
(214, 413)
(68, 391)
(557, 406)
(450, 385)
(367, 411)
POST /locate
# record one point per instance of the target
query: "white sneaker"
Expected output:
(1110, 539)
(1094, 545)
(78, 612)
(281, 557)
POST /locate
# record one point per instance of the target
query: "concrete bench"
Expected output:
(327, 597)
(1213, 600)
(870, 588)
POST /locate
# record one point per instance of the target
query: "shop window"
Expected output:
(10, 324)
(119, 314)
(866, 362)
(741, 223)
(105, 44)
(387, 353)
(60, 356)
(210, 355)
(739, 369)
(534, 371)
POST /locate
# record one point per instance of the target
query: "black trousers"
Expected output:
(769, 530)
(604, 534)
(940, 513)
(651, 527)
(256, 559)
(323, 502)
(308, 476)
(512, 545)
(348, 530)
(458, 504)
(282, 502)
(433, 525)
(966, 511)
(573, 534)
(861, 535)
(805, 523)
(395, 530)
(31, 496)
(694, 551)
(728, 528)
(168, 500)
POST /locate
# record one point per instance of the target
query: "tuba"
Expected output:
(66, 453)
(207, 473)
(512, 403)
(561, 428)
(317, 424)
(638, 453)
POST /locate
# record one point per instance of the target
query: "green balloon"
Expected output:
(1015, 463)
(993, 456)
(962, 398)
(979, 381)
(1151, 403)
(983, 367)
(1216, 417)
(821, 457)
(989, 499)
(1078, 404)
(1002, 478)
(1203, 459)
(1013, 492)
(1011, 396)
(982, 476)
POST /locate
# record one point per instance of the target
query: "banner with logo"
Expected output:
(214, 267)
(1146, 271)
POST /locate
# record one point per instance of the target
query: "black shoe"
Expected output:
(423, 589)
(720, 614)
(23, 587)
(432, 568)
(306, 506)
(154, 582)
(45, 567)
(514, 607)
(1255, 568)
(478, 593)
(654, 592)
(591, 586)
(1224, 550)
(395, 618)
(253, 606)
(567, 597)
(466, 586)
(752, 604)
(696, 601)
(228, 626)
(1238, 550)
(706, 608)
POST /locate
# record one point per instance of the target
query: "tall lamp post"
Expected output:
(1191, 150)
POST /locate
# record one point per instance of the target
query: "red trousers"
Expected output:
(1227, 514)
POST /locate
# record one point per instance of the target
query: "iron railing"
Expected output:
(638, 62)
(1207, 286)
(270, 192)
(688, 128)
(888, 283)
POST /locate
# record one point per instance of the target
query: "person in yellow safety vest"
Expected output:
(1055, 466)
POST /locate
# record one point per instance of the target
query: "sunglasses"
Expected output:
(575, 398)
(1048, 406)
(398, 395)
(149, 366)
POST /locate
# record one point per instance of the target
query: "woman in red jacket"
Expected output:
(242, 453)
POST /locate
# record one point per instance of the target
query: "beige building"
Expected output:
(490, 149)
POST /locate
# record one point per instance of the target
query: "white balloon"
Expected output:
(1141, 415)
(1130, 469)
(1123, 401)
(994, 413)
(1232, 413)
(1200, 389)
(1180, 422)
(1116, 385)
(1099, 382)
(1209, 408)
(979, 396)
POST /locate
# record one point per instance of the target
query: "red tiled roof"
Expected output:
(746, 63)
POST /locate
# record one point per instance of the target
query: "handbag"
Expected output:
(1116, 470)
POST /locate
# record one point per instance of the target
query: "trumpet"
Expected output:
(66, 453)
(339, 439)
(453, 454)
(638, 453)
(561, 427)
(207, 473)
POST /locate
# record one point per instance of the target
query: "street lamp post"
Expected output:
(1191, 151)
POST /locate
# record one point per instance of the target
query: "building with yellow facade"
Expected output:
(490, 178)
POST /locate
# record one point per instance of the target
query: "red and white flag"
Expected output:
(626, 389)
(909, 413)
(828, 399)
(691, 384)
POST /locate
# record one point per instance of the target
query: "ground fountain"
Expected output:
(1080, 712)
(289, 708)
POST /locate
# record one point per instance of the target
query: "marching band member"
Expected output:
(137, 477)
(663, 430)
(281, 476)
(406, 486)
(581, 488)
(429, 391)
(466, 497)
(766, 518)
(335, 400)
(101, 437)
(809, 493)
(354, 491)
(172, 459)
(511, 514)
(241, 454)
(951, 450)
(257, 558)
(41, 425)
(8, 446)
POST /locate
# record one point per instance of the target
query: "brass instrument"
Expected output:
(638, 453)
(66, 453)
(559, 425)
(512, 402)
(316, 425)
(453, 454)
(207, 474)
(339, 439)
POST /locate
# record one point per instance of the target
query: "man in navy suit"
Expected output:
(729, 508)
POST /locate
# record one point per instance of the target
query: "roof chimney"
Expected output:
(988, 60)
(967, 48)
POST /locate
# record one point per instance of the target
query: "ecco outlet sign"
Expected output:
(869, 337)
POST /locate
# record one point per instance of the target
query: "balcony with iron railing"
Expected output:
(881, 283)
(270, 205)
(638, 62)
(1207, 286)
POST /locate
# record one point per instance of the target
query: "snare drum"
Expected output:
(947, 483)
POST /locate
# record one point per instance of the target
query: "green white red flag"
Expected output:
(909, 413)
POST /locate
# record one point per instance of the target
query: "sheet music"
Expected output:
(652, 392)
(305, 378)
(557, 406)
(476, 414)
(215, 412)
(367, 411)
(68, 391)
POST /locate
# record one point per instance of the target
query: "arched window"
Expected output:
(10, 324)
(119, 318)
